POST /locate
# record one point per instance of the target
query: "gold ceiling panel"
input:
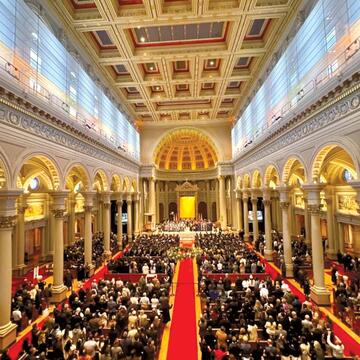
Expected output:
(179, 60)
(185, 149)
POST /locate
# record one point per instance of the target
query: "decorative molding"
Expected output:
(313, 209)
(186, 187)
(336, 110)
(58, 213)
(266, 202)
(106, 205)
(88, 208)
(7, 222)
(284, 204)
(31, 123)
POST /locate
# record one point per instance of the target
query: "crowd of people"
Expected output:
(226, 253)
(74, 259)
(110, 320)
(153, 245)
(253, 318)
(31, 299)
(186, 225)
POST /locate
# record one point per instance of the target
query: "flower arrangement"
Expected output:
(179, 253)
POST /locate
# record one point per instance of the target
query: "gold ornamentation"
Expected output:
(58, 213)
(348, 203)
(284, 204)
(34, 210)
(88, 208)
(106, 206)
(7, 222)
(314, 209)
(266, 202)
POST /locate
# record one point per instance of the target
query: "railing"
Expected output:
(332, 69)
(31, 85)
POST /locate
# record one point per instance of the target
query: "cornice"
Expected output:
(50, 128)
(326, 111)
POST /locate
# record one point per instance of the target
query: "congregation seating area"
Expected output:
(260, 318)
(74, 258)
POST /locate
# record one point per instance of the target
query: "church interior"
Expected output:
(179, 179)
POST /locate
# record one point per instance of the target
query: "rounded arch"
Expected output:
(185, 149)
(42, 162)
(271, 176)
(246, 181)
(133, 185)
(330, 160)
(75, 173)
(239, 182)
(256, 179)
(126, 184)
(116, 182)
(100, 180)
(294, 168)
(5, 175)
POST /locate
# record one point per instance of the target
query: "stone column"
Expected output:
(319, 293)
(152, 206)
(307, 222)
(330, 219)
(20, 263)
(208, 199)
(88, 206)
(136, 214)
(58, 289)
(129, 219)
(273, 212)
(100, 214)
(268, 235)
(254, 201)
(217, 200)
(71, 219)
(222, 202)
(166, 202)
(157, 201)
(119, 203)
(246, 215)
(239, 210)
(286, 221)
(7, 222)
(106, 223)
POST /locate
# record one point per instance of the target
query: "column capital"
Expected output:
(284, 192)
(266, 202)
(313, 193)
(266, 193)
(314, 209)
(89, 197)
(105, 195)
(119, 195)
(8, 202)
(59, 199)
(284, 204)
(88, 208)
(7, 222)
(238, 194)
(58, 213)
(245, 194)
(129, 198)
(106, 205)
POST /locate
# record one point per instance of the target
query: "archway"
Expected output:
(185, 149)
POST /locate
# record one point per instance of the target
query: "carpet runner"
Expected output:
(183, 331)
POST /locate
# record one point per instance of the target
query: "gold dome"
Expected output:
(185, 149)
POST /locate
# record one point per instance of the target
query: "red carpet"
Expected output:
(183, 331)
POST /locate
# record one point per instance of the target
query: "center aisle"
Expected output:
(183, 331)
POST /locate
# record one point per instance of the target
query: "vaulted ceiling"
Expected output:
(179, 61)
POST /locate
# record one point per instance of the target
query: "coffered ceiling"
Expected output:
(179, 60)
